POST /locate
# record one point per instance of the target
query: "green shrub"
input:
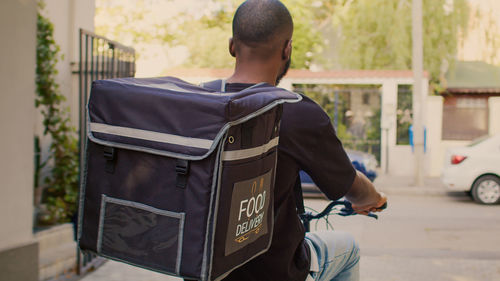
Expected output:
(61, 185)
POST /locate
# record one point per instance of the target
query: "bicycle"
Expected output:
(346, 210)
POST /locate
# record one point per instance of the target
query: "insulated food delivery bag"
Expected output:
(179, 178)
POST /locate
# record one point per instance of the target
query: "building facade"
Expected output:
(20, 121)
(18, 248)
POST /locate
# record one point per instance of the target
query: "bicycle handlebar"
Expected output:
(347, 210)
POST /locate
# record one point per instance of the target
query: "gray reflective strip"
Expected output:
(180, 239)
(150, 135)
(208, 253)
(251, 152)
(173, 87)
(215, 142)
(101, 223)
(179, 216)
(223, 83)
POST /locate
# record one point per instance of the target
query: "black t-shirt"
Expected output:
(307, 142)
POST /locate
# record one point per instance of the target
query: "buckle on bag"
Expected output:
(182, 170)
(109, 154)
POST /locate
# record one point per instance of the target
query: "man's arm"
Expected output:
(363, 195)
(309, 137)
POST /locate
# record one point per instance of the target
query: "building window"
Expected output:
(404, 114)
(465, 117)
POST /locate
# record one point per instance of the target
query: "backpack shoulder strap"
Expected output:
(218, 85)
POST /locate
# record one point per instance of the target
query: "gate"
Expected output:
(100, 58)
(355, 112)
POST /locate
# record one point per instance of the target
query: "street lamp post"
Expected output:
(418, 95)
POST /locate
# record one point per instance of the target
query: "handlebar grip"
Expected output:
(383, 207)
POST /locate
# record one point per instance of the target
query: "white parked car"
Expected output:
(475, 168)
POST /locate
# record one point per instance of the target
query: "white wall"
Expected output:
(434, 119)
(494, 111)
(388, 124)
(68, 17)
(17, 77)
(436, 147)
(401, 157)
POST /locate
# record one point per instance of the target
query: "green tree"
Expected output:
(207, 37)
(203, 33)
(486, 23)
(307, 39)
(376, 34)
(133, 23)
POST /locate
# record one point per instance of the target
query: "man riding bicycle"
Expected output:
(262, 46)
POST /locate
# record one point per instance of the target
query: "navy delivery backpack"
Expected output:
(179, 178)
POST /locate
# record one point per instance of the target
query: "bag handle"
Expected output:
(219, 85)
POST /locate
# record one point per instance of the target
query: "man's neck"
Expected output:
(253, 74)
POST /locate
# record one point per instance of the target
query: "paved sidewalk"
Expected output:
(404, 185)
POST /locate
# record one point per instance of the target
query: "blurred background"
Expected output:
(354, 58)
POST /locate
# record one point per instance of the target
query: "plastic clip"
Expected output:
(182, 170)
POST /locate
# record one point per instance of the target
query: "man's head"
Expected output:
(262, 33)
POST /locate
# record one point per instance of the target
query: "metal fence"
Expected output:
(346, 103)
(100, 58)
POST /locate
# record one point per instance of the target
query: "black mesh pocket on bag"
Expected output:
(140, 234)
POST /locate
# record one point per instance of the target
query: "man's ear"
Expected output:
(232, 48)
(287, 51)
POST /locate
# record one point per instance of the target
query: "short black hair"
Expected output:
(257, 21)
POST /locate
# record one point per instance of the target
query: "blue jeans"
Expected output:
(337, 256)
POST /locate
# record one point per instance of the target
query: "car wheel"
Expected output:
(486, 190)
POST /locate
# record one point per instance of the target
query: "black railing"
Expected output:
(100, 58)
(347, 105)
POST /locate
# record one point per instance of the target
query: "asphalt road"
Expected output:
(445, 237)
(419, 237)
